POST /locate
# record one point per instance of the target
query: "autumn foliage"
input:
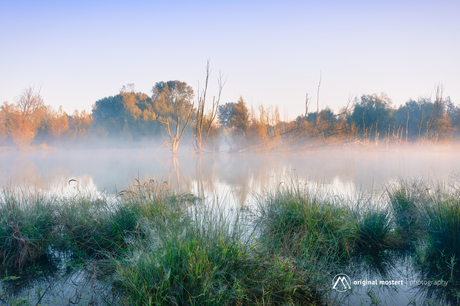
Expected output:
(23, 118)
(170, 112)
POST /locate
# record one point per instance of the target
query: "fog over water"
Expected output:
(341, 170)
(235, 178)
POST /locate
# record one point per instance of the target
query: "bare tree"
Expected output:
(204, 122)
(175, 136)
(317, 100)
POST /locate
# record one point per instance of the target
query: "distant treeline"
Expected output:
(171, 112)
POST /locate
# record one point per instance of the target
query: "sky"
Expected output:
(269, 52)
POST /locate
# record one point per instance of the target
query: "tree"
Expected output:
(173, 100)
(3, 130)
(454, 114)
(234, 117)
(373, 114)
(225, 114)
(80, 124)
(204, 127)
(58, 123)
(24, 117)
(128, 114)
(239, 121)
(109, 114)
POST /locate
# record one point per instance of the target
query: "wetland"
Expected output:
(136, 226)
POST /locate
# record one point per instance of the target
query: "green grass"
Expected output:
(206, 257)
(373, 229)
(442, 216)
(405, 201)
(93, 227)
(26, 227)
(159, 247)
(292, 220)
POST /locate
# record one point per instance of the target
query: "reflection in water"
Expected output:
(416, 287)
(345, 172)
(55, 280)
(234, 178)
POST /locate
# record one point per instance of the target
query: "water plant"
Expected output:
(206, 257)
(405, 199)
(96, 226)
(27, 221)
(373, 230)
(442, 217)
(294, 219)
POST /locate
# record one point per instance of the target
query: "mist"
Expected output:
(112, 169)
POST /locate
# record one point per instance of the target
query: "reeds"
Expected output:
(442, 216)
(206, 257)
(373, 230)
(293, 219)
(95, 226)
(166, 248)
(406, 200)
(27, 220)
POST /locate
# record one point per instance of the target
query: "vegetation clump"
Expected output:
(156, 246)
(96, 226)
(27, 222)
(293, 219)
(442, 216)
(204, 258)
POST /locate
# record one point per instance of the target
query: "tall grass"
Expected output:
(294, 219)
(95, 226)
(206, 257)
(442, 216)
(27, 220)
(406, 200)
(373, 230)
(164, 247)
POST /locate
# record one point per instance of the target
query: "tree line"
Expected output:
(171, 112)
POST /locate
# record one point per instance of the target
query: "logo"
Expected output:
(341, 283)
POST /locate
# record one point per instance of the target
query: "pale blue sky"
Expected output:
(272, 52)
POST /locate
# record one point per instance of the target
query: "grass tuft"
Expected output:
(293, 220)
(27, 221)
(204, 257)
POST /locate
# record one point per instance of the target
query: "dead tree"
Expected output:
(204, 122)
(176, 134)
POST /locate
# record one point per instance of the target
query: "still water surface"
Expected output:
(238, 175)
(235, 178)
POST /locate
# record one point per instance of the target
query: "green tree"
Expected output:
(225, 114)
(414, 117)
(239, 121)
(373, 114)
(128, 114)
(109, 114)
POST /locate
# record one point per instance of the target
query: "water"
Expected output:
(234, 179)
(343, 171)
